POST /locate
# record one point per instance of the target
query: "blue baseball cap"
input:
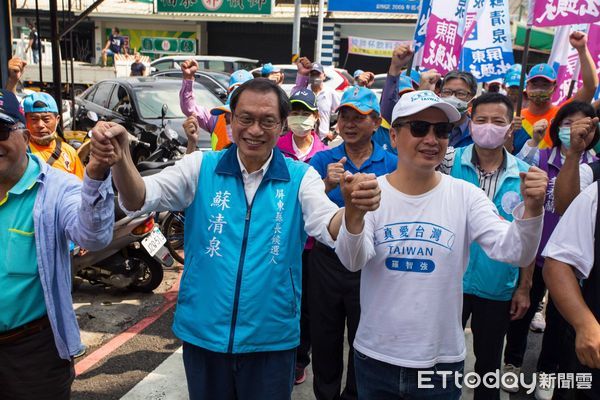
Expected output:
(317, 67)
(512, 78)
(415, 76)
(544, 71)
(11, 111)
(238, 77)
(39, 102)
(515, 68)
(361, 99)
(225, 107)
(357, 73)
(306, 98)
(405, 84)
(269, 68)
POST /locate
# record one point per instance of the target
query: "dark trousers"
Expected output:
(334, 301)
(489, 323)
(516, 337)
(31, 369)
(248, 376)
(570, 364)
(303, 351)
(382, 381)
(551, 354)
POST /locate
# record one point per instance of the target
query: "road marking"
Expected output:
(166, 382)
(88, 362)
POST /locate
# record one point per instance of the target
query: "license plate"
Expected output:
(154, 241)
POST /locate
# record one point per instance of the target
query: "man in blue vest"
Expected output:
(494, 292)
(248, 212)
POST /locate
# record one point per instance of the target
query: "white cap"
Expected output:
(419, 100)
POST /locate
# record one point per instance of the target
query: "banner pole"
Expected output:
(523, 70)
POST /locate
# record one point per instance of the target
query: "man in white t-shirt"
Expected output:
(413, 252)
(570, 256)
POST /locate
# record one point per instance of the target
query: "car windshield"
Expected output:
(151, 99)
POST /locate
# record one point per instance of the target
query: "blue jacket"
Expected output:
(241, 286)
(485, 277)
(67, 210)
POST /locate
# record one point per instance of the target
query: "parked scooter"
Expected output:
(134, 259)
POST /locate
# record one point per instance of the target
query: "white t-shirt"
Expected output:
(572, 242)
(328, 100)
(586, 176)
(413, 252)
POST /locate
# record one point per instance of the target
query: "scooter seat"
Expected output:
(148, 165)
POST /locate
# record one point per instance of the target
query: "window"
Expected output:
(102, 94)
(163, 65)
(214, 65)
(119, 99)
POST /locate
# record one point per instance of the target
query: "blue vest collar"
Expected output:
(229, 165)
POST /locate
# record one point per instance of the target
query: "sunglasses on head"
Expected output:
(421, 128)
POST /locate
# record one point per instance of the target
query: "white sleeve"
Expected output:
(317, 208)
(572, 242)
(531, 155)
(510, 242)
(586, 176)
(335, 101)
(355, 251)
(172, 189)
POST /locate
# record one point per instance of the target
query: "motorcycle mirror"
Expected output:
(164, 110)
(92, 116)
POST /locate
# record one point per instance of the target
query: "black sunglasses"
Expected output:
(421, 128)
(5, 130)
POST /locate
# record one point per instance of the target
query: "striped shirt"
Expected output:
(488, 181)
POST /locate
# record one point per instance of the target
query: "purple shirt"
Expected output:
(187, 102)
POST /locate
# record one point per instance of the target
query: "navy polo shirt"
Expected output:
(380, 163)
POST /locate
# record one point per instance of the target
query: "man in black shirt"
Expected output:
(113, 45)
(137, 68)
(34, 44)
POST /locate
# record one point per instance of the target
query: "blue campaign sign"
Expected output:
(391, 6)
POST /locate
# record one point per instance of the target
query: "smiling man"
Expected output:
(248, 212)
(413, 252)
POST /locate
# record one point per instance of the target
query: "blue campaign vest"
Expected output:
(242, 282)
(485, 277)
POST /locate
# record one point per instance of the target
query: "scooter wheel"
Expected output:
(150, 275)
(172, 228)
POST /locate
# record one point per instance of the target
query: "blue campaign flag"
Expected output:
(487, 52)
(391, 6)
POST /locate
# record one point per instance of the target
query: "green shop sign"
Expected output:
(215, 6)
(168, 45)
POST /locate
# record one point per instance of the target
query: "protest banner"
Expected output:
(487, 52)
(565, 12)
(373, 47)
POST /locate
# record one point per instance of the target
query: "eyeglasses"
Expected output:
(460, 94)
(267, 124)
(420, 129)
(5, 130)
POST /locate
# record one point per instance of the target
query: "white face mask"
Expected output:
(301, 125)
(461, 105)
(44, 140)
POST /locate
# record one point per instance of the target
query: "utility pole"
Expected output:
(296, 31)
(320, 31)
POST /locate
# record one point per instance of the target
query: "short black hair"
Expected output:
(493, 98)
(566, 111)
(464, 76)
(262, 85)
